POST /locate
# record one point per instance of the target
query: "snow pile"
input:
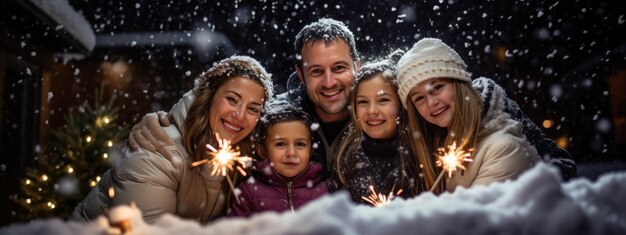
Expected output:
(536, 203)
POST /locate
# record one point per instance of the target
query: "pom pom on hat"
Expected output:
(429, 58)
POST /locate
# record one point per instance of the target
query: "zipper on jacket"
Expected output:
(290, 196)
(290, 188)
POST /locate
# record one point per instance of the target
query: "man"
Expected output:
(327, 64)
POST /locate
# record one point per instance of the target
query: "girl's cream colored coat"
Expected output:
(502, 151)
(499, 156)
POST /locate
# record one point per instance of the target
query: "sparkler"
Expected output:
(223, 160)
(119, 217)
(451, 161)
(379, 199)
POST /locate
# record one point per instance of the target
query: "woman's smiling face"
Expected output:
(235, 108)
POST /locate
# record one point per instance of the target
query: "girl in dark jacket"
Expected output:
(284, 179)
(376, 149)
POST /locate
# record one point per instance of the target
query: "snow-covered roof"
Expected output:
(203, 41)
(174, 38)
(60, 15)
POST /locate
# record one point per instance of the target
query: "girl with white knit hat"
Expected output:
(443, 108)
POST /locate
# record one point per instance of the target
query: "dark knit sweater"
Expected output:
(373, 163)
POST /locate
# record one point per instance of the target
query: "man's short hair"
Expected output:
(325, 29)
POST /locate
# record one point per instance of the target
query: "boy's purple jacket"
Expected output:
(268, 191)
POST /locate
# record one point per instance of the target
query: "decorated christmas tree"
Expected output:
(72, 164)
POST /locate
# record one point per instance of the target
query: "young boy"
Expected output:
(284, 179)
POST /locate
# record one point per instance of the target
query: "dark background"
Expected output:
(563, 61)
(556, 58)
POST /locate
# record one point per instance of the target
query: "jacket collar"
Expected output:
(264, 172)
(494, 104)
(180, 109)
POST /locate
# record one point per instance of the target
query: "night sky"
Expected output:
(553, 57)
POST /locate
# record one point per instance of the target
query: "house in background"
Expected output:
(35, 35)
(52, 61)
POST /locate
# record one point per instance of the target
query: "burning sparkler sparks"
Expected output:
(451, 160)
(379, 199)
(223, 160)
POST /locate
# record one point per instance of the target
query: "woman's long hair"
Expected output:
(463, 129)
(196, 130)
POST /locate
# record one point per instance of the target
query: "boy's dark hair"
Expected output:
(279, 110)
(325, 29)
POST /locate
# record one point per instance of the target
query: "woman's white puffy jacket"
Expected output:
(156, 184)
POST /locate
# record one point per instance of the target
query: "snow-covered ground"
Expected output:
(537, 203)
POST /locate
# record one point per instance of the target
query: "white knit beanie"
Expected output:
(429, 58)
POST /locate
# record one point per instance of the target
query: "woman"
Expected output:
(227, 100)
(443, 109)
(376, 149)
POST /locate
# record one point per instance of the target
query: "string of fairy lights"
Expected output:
(100, 122)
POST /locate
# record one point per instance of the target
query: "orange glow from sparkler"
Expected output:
(224, 159)
(379, 199)
(453, 159)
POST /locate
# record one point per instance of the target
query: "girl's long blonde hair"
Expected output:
(463, 129)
